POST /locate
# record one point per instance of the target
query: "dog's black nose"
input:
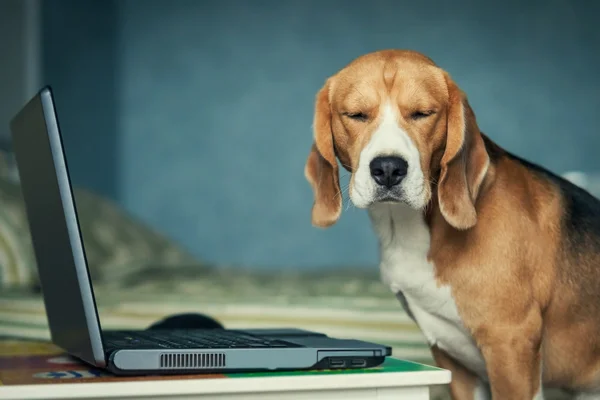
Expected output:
(388, 171)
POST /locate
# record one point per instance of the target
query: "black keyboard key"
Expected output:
(183, 339)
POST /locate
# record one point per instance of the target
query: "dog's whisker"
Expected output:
(345, 166)
(342, 191)
(348, 206)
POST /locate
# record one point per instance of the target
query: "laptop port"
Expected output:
(358, 363)
(337, 363)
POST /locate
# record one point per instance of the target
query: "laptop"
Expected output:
(69, 295)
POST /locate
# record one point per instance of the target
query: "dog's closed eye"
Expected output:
(421, 114)
(357, 116)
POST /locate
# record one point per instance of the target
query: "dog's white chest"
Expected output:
(404, 243)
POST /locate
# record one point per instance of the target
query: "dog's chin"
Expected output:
(397, 198)
(391, 197)
(386, 199)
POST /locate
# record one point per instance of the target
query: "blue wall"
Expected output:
(212, 105)
(79, 44)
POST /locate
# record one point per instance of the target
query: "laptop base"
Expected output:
(222, 350)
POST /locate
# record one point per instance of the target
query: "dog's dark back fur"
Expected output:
(580, 224)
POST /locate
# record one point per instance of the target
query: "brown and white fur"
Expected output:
(496, 259)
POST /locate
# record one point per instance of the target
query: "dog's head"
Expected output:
(405, 132)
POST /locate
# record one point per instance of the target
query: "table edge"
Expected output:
(224, 385)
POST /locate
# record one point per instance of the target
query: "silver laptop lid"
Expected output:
(57, 242)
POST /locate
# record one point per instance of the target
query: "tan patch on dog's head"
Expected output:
(426, 106)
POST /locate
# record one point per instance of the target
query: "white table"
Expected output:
(408, 383)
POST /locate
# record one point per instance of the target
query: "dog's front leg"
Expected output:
(464, 385)
(513, 358)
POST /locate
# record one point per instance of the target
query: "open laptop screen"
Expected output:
(55, 232)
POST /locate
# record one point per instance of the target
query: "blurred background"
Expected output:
(193, 118)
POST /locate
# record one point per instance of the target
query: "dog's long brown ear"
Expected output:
(464, 163)
(321, 169)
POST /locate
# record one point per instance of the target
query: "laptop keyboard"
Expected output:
(191, 339)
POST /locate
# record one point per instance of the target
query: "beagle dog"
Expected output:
(496, 259)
